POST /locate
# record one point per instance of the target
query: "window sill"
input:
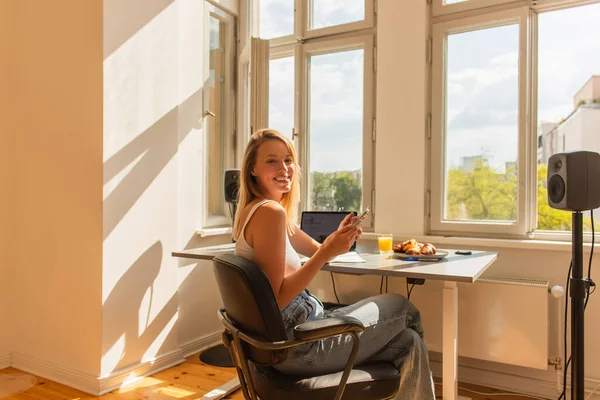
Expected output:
(204, 232)
(465, 242)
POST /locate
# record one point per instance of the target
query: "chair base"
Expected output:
(217, 356)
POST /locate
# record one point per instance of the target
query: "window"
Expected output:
(509, 89)
(568, 107)
(281, 95)
(478, 123)
(321, 95)
(218, 116)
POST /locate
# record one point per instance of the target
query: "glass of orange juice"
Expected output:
(385, 242)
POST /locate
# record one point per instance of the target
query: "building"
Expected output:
(580, 130)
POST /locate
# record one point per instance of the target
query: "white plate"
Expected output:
(416, 257)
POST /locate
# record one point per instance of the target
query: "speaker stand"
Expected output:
(579, 286)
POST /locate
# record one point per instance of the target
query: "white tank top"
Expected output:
(243, 249)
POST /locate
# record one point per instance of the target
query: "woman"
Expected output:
(265, 232)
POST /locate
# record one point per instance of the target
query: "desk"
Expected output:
(453, 269)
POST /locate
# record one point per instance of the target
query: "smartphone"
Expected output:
(361, 217)
(464, 252)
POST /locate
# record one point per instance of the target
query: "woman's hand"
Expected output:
(348, 221)
(340, 241)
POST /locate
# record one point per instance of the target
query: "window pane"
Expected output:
(336, 130)
(336, 12)
(281, 95)
(276, 18)
(482, 131)
(568, 97)
(216, 96)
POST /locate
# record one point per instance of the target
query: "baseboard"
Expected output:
(488, 377)
(92, 384)
(198, 345)
(66, 376)
(5, 360)
(139, 371)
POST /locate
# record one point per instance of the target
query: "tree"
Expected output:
(482, 194)
(321, 187)
(348, 193)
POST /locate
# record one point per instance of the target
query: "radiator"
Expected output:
(504, 320)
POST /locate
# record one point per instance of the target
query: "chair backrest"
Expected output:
(250, 304)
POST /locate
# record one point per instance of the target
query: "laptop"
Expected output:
(320, 224)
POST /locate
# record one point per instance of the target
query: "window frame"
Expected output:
(229, 141)
(305, 43)
(307, 33)
(328, 46)
(439, 8)
(540, 7)
(456, 16)
(441, 30)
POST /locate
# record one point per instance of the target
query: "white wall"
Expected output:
(401, 110)
(56, 144)
(154, 73)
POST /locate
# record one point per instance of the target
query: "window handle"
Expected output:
(294, 133)
(207, 112)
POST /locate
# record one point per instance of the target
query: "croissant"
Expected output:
(398, 248)
(428, 248)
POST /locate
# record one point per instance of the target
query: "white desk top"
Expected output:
(453, 268)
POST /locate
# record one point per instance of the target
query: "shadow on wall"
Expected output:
(130, 298)
(122, 23)
(157, 145)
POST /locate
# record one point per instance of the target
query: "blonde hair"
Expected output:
(250, 188)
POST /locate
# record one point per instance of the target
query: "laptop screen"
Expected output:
(320, 224)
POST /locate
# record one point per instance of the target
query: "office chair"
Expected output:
(256, 338)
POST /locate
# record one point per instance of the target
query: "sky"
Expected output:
(482, 83)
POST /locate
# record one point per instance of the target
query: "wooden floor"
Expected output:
(187, 381)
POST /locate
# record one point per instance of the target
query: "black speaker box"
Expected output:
(574, 181)
(231, 185)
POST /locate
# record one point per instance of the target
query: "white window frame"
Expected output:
(229, 141)
(302, 16)
(440, 32)
(440, 8)
(306, 16)
(322, 46)
(539, 7)
(305, 43)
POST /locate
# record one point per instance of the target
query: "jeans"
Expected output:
(393, 333)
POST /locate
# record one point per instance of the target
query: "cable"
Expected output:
(409, 291)
(334, 291)
(563, 395)
(587, 297)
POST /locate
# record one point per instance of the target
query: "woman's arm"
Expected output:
(303, 243)
(267, 229)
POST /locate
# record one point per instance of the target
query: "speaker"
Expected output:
(231, 185)
(574, 181)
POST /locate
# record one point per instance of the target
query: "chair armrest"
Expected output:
(327, 327)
